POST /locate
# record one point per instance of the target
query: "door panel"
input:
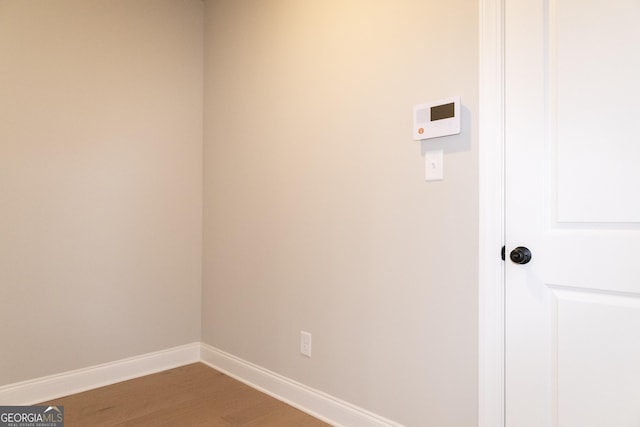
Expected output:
(593, 108)
(572, 197)
(598, 343)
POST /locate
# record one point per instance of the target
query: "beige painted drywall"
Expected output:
(317, 216)
(100, 181)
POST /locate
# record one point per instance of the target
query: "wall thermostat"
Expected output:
(434, 119)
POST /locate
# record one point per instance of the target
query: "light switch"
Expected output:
(433, 165)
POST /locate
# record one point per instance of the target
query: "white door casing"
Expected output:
(572, 196)
(491, 215)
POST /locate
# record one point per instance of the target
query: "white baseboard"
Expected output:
(316, 403)
(54, 386)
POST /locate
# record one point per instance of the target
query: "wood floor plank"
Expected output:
(192, 395)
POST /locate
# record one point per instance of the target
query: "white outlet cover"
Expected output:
(434, 165)
(305, 343)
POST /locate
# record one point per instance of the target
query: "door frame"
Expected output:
(491, 320)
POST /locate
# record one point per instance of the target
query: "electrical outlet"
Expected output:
(305, 343)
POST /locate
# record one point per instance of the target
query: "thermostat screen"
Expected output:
(440, 112)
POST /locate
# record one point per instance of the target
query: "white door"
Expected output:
(572, 74)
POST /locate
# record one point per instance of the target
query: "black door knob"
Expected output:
(520, 255)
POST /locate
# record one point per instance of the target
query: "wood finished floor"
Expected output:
(192, 395)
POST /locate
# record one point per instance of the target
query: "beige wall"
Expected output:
(317, 216)
(100, 181)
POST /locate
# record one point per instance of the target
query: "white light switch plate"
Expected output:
(433, 165)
